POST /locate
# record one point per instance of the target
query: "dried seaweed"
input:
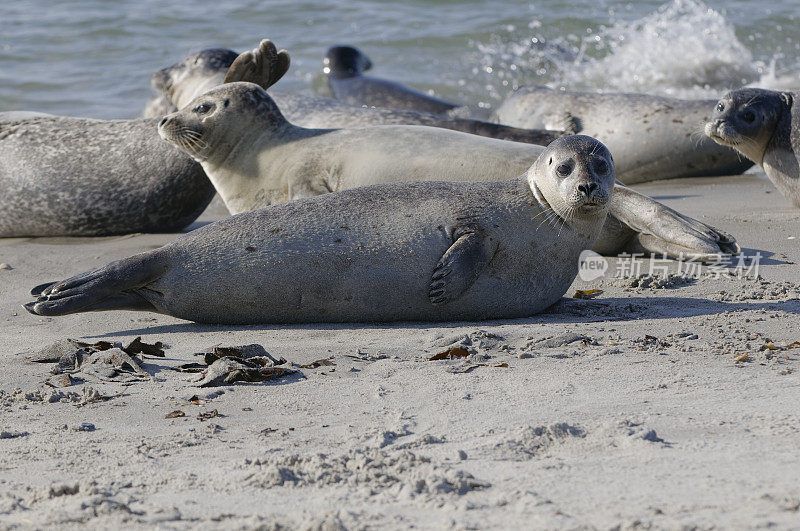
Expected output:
(319, 363)
(137, 346)
(450, 354)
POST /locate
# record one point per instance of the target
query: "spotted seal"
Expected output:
(651, 137)
(764, 126)
(344, 68)
(63, 176)
(424, 251)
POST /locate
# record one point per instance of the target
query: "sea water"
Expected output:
(95, 58)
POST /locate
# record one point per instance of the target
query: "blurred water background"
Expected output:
(95, 58)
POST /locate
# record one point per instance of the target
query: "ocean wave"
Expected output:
(683, 49)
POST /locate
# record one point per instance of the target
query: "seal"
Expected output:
(651, 137)
(255, 157)
(425, 251)
(182, 82)
(764, 126)
(187, 79)
(344, 67)
(63, 176)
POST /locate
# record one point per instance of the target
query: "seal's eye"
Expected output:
(720, 107)
(749, 116)
(564, 169)
(202, 108)
(601, 167)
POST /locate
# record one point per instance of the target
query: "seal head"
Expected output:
(574, 179)
(218, 119)
(345, 61)
(197, 69)
(745, 119)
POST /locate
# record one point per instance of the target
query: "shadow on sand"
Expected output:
(564, 311)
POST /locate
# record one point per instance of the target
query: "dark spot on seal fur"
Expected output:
(227, 102)
(249, 248)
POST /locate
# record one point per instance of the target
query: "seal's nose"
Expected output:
(587, 188)
(163, 122)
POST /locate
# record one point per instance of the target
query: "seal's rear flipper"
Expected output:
(263, 66)
(662, 230)
(116, 286)
(542, 137)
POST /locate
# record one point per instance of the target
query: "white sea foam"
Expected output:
(683, 49)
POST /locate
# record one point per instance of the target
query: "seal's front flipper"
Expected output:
(662, 230)
(113, 287)
(459, 267)
(263, 66)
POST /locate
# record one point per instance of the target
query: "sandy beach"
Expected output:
(635, 409)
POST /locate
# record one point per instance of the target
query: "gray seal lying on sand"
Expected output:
(344, 67)
(431, 251)
(651, 137)
(64, 176)
(764, 126)
(255, 157)
(182, 82)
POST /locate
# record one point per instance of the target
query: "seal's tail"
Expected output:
(113, 287)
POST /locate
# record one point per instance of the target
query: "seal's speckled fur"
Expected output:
(651, 137)
(79, 177)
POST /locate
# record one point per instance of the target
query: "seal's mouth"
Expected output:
(592, 204)
(187, 138)
(718, 131)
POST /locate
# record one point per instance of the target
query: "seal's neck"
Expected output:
(252, 166)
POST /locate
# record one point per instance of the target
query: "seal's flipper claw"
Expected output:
(263, 66)
(37, 291)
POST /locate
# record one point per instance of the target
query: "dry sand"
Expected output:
(635, 413)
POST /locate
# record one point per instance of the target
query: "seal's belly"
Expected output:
(356, 280)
